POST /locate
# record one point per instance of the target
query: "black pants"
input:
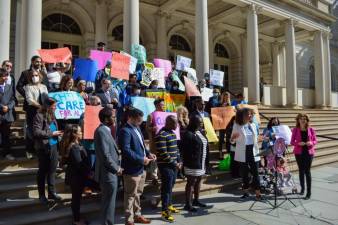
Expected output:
(48, 161)
(234, 166)
(221, 141)
(304, 162)
(5, 140)
(29, 140)
(250, 166)
(168, 179)
(76, 185)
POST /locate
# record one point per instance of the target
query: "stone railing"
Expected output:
(309, 2)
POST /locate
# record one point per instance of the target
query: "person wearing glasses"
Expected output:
(8, 66)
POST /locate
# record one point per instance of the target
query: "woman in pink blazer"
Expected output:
(304, 140)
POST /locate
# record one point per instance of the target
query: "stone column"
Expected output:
(291, 71)
(211, 46)
(5, 22)
(276, 78)
(252, 55)
(282, 60)
(20, 41)
(328, 79)
(201, 38)
(131, 28)
(33, 26)
(101, 21)
(319, 69)
(162, 37)
(244, 60)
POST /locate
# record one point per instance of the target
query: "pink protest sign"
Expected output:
(159, 121)
(101, 57)
(165, 64)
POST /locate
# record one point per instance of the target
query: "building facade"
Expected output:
(285, 43)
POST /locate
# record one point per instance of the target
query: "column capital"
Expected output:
(290, 22)
(254, 8)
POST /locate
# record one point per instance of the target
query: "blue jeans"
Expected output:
(168, 179)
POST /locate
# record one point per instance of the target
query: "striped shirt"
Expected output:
(199, 172)
(166, 147)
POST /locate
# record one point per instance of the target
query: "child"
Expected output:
(284, 175)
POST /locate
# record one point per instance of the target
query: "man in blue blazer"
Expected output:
(134, 157)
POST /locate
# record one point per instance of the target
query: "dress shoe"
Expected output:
(189, 208)
(307, 196)
(198, 204)
(55, 197)
(43, 200)
(142, 220)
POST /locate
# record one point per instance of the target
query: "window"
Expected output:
(60, 23)
(117, 33)
(49, 45)
(74, 49)
(220, 51)
(312, 82)
(179, 43)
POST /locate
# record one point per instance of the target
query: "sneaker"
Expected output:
(172, 209)
(10, 157)
(54, 196)
(167, 217)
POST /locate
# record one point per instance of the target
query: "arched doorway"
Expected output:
(222, 62)
(179, 46)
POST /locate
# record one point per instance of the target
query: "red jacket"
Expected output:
(297, 137)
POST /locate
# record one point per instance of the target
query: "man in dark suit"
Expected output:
(107, 166)
(199, 109)
(7, 105)
(134, 157)
(107, 94)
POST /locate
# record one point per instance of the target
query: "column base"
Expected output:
(293, 106)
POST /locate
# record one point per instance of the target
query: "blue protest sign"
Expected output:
(146, 105)
(70, 104)
(85, 69)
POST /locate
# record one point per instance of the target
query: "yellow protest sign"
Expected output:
(209, 129)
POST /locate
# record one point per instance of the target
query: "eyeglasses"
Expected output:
(9, 66)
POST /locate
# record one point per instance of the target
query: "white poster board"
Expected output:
(191, 75)
(158, 74)
(283, 131)
(206, 93)
(182, 62)
(216, 77)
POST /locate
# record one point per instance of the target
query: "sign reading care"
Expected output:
(70, 104)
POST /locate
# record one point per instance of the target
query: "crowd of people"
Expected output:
(119, 153)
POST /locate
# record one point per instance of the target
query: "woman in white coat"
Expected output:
(244, 134)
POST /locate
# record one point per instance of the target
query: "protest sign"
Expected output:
(101, 57)
(55, 55)
(120, 66)
(139, 52)
(175, 77)
(165, 64)
(206, 94)
(209, 130)
(191, 74)
(182, 62)
(221, 117)
(159, 121)
(282, 131)
(133, 62)
(254, 108)
(216, 77)
(146, 105)
(70, 104)
(173, 101)
(91, 121)
(85, 69)
(146, 77)
(190, 87)
(149, 65)
(158, 74)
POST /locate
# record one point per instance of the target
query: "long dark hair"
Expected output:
(46, 110)
(68, 139)
(240, 116)
(271, 124)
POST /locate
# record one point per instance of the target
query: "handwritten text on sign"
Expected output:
(70, 104)
(159, 121)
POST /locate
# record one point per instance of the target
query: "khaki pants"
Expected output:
(133, 189)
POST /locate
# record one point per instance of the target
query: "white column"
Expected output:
(328, 78)
(252, 55)
(162, 37)
(244, 60)
(33, 26)
(20, 42)
(282, 60)
(201, 38)
(276, 77)
(319, 69)
(211, 47)
(291, 71)
(131, 28)
(5, 21)
(101, 21)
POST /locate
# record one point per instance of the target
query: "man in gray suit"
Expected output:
(107, 166)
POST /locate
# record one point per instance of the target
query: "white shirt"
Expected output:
(249, 136)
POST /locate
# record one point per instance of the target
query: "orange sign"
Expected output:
(91, 121)
(190, 88)
(55, 55)
(120, 66)
(221, 117)
(254, 108)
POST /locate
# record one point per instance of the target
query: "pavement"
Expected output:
(226, 208)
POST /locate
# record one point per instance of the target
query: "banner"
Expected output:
(133, 62)
(159, 121)
(146, 105)
(175, 77)
(171, 101)
(55, 55)
(209, 130)
(206, 94)
(155, 94)
(182, 62)
(158, 74)
(101, 57)
(221, 117)
(192, 75)
(190, 87)
(149, 65)
(70, 104)
(216, 77)
(146, 77)
(85, 69)
(139, 52)
(120, 66)
(283, 131)
(91, 121)
(165, 64)
(254, 108)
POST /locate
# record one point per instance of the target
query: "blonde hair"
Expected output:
(183, 120)
(302, 115)
(224, 99)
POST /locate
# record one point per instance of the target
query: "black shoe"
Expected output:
(307, 196)
(189, 208)
(43, 200)
(55, 197)
(301, 192)
(198, 204)
(245, 196)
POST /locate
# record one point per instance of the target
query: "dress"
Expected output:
(198, 172)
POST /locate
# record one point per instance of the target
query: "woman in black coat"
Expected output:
(195, 161)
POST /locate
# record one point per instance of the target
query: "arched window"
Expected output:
(179, 43)
(60, 23)
(220, 51)
(117, 34)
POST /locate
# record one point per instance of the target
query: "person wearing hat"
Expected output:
(102, 74)
(100, 46)
(45, 136)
